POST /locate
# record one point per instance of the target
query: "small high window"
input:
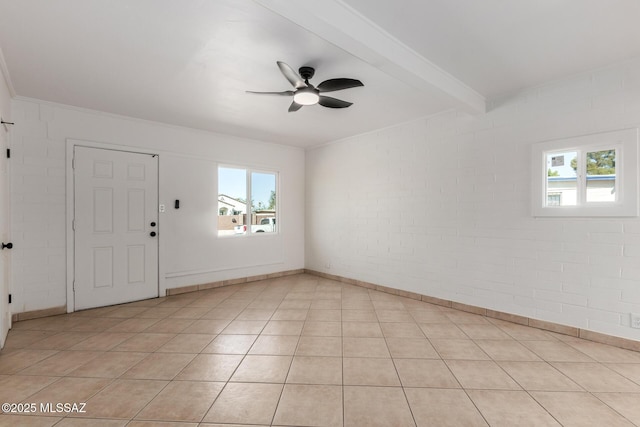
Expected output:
(593, 175)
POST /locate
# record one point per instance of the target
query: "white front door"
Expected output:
(116, 226)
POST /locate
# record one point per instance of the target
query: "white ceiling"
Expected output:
(189, 62)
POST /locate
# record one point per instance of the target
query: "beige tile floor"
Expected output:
(306, 351)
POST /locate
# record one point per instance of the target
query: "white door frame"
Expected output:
(71, 144)
(5, 235)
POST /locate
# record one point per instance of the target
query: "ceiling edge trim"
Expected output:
(426, 118)
(5, 73)
(343, 26)
(149, 122)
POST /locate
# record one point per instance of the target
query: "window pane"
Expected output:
(601, 176)
(263, 202)
(232, 205)
(561, 179)
(554, 199)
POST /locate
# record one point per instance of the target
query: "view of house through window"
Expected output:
(562, 184)
(601, 176)
(578, 177)
(239, 214)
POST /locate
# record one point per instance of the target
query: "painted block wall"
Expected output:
(441, 206)
(5, 255)
(190, 252)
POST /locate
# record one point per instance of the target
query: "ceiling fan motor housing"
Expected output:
(306, 72)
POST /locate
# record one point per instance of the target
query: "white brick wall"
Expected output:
(37, 212)
(441, 206)
(189, 254)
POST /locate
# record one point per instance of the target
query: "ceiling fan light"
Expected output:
(306, 96)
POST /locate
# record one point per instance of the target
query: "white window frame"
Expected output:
(625, 142)
(248, 171)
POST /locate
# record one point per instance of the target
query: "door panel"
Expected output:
(116, 199)
(135, 210)
(103, 210)
(136, 263)
(103, 267)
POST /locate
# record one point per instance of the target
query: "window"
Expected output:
(562, 184)
(600, 170)
(240, 215)
(554, 199)
(593, 175)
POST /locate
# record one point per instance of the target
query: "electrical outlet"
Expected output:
(635, 320)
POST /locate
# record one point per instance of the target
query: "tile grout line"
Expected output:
(344, 419)
(275, 411)
(454, 376)
(239, 363)
(168, 382)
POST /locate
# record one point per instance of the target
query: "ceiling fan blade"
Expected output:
(294, 106)
(338, 84)
(293, 77)
(327, 101)
(285, 93)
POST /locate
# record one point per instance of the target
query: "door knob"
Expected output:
(152, 234)
(7, 245)
(153, 223)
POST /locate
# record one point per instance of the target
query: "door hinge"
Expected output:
(73, 224)
(9, 298)
(73, 163)
(8, 153)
